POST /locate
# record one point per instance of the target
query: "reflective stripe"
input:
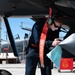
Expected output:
(42, 39)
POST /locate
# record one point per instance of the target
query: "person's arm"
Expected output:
(36, 35)
(35, 32)
(54, 43)
(48, 44)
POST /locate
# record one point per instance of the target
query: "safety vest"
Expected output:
(43, 39)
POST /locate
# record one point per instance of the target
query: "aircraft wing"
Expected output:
(35, 7)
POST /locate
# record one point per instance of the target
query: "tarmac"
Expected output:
(19, 69)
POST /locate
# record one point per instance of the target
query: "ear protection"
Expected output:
(50, 20)
(57, 16)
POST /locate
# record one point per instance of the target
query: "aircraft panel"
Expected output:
(37, 8)
(20, 7)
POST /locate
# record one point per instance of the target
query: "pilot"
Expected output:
(32, 59)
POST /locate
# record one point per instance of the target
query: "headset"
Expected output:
(50, 20)
(54, 17)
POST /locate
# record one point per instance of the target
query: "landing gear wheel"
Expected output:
(4, 72)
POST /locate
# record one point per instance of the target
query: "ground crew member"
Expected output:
(32, 57)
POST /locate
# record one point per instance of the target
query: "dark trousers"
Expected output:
(32, 59)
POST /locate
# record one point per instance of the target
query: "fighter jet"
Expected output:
(36, 9)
